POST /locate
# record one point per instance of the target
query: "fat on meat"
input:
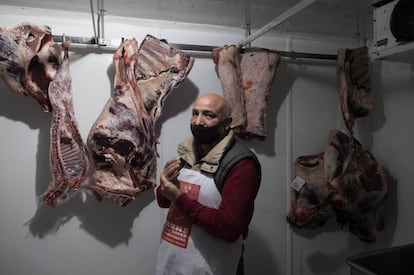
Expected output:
(357, 183)
(29, 61)
(354, 87)
(227, 60)
(122, 140)
(69, 158)
(310, 205)
(258, 69)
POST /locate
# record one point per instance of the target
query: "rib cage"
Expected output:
(69, 160)
(71, 156)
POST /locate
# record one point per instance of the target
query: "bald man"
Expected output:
(210, 192)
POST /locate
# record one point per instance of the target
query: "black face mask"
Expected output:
(205, 135)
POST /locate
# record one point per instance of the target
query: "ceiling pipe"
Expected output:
(278, 20)
(101, 23)
(247, 21)
(93, 22)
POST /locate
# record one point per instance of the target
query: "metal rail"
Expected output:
(112, 45)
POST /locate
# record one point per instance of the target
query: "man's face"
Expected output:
(208, 111)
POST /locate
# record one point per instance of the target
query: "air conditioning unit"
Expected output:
(387, 44)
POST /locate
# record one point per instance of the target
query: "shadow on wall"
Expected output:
(281, 86)
(258, 256)
(177, 101)
(112, 228)
(324, 263)
(376, 119)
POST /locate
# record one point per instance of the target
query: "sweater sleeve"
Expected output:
(236, 209)
(162, 201)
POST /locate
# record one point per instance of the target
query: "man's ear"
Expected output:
(228, 123)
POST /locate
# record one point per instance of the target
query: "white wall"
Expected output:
(84, 236)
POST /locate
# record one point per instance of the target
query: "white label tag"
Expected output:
(298, 183)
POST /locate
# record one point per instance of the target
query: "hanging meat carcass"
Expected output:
(69, 159)
(246, 79)
(310, 205)
(159, 70)
(227, 60)
(258, 69)
(29, 61)
(122, 140)
(346, 181)
(358, 184)
(354, 86)
(122, 137)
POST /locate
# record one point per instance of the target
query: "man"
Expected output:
(210, 192)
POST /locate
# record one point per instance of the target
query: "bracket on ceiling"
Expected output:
(247, 24)
(277, 21)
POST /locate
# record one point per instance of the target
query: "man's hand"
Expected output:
(170, 186)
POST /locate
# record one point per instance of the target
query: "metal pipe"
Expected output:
(278, 20)
(289, 168)
(101, 23)
(90, 42)
(93, 21)
(248, 21)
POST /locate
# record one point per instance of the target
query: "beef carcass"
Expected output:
(358, 185)
(353, 83)
(159, 70)
(227, 60)
(29, 61)
(69, 159)
(122, 139)
(258, 69)
(310, 198)
(246, 80)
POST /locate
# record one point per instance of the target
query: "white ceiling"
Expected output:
(344, 18)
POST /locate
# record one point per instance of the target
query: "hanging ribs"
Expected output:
(28, 61)
(159, 70)
(122, 139)
(69, 160)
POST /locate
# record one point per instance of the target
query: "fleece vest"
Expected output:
(236, 153)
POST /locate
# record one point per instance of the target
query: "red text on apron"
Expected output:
(177, 228)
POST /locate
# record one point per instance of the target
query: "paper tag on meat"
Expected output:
(298, 183)
(177, 228)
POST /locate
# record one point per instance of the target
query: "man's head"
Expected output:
(211, 119)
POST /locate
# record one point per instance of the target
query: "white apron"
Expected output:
(186, 249)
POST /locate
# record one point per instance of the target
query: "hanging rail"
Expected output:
(112, 45)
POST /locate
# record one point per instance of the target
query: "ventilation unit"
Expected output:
(394, 30)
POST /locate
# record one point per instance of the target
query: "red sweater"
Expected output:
(236, 209)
